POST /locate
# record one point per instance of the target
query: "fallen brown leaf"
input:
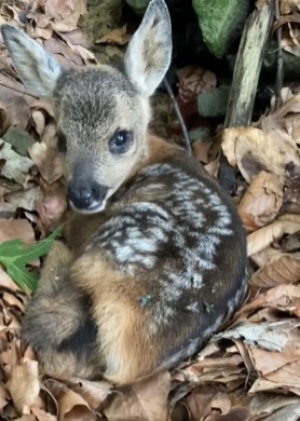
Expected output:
(252, 151)
(48, 160)
(262, 201)
(283, 269)
(5, 120)
(52, 208)
(24, 386)
(4, 397)
(288, 6)
(73, 407)
(14, 99)
(16, 167)
(7, 282)
(46, 156)
(118, 36)
(93, 392)
(13, 229)
(204, 398)
(262, 238)
(265, 404)
(28, 417)
(39, 121)
(66, 11)
(234, 414)
(25, 199)
(145, 401)
(289, 413)
(279, 297)
(42, 415)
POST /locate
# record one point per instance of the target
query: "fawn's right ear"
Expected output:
(37, 68)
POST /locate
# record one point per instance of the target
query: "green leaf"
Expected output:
(15, 255)
(19, 139)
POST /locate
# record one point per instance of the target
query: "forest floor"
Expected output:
(250, 370)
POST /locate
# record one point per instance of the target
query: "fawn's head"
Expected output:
(102, 113)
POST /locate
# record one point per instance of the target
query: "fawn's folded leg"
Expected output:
(58, 324)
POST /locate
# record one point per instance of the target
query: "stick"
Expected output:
(245, 79)
(279, 74)
(18, 90)
(179, 116)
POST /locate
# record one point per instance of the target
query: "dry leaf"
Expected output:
(288, 6)
(48, 160)
(259, 240)
(93, 392)
(13, 97)
(289, 413)
(41, 415)
(25, 199)
(13, 229)
(282, 269)
(28, 417)
(193, 80)
(5, 120)
(118, 36)
(66, 11)
(39, 120)
(16, 167)
(253, 151)
(145, 401)
(269, 336)
(262, 201)
(201, 401)
(24, 386)
(73, 407)
(7, 282)
(235, 414)
(52, 208)
(267, 404)
(4, 397)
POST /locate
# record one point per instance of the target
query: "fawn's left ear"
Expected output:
(37, 68)
(149, 52)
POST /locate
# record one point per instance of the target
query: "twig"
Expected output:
(18, 90)
(245, 79)
(248, 65)
(179, 116)
(279, 74)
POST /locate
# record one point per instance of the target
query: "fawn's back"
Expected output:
(155, 254)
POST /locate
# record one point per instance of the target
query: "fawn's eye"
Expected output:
(61, 142)
(121, 142)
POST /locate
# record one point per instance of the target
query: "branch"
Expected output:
(179, 116)
(18, 90)
(245, 79)
(248, 65)
(279, 74)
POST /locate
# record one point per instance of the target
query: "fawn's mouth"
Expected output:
(87, 198)
(95, 207)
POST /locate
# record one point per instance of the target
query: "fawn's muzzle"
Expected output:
(87, 197)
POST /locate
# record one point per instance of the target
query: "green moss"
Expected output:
(220, 21)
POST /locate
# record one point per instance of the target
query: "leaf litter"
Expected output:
(250, 369)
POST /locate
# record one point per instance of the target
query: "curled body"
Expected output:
(154, 253)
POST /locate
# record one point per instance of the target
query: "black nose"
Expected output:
(85, 197)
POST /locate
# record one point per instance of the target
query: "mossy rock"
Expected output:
(214, 103)
(221, 21)
(139, 6)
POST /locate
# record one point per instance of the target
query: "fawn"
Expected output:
(154, 253)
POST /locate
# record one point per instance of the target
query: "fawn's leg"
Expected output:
(58, 323)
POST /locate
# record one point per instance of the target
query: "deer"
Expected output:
(153, 254)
